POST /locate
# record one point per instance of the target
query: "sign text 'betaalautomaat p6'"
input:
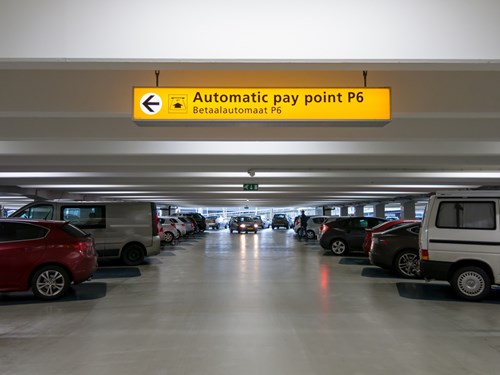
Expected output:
(261, 104)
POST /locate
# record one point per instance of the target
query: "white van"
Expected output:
(124, 230)
(460, 241)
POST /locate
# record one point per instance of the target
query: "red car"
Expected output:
(44, 256)
(381, 228)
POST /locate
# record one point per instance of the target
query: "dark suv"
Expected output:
(199, 219)
(281, 220)
(346, 233)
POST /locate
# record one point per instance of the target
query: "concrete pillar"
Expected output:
(408, 210)
(359, 210)
(344, 211)
(379, 210)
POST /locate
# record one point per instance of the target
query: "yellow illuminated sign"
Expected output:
(261, 104)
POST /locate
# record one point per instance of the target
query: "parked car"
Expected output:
(179, 225)
(261, 222)
(459, 241)
(123, 230)
(344, 234)
(396, 249)
(199, 219)
(168, 229)
(281, 220)
(314, 225)
(242, 224)
(381, 228)
(215, 222)
(189, 223)
(44, 256)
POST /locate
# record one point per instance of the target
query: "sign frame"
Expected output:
(306, 96)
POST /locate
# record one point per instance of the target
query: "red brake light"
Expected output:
(85, 248)
(424, 254)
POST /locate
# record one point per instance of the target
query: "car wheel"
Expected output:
(406, 264)
(50, 282)
(169, 237)
(273, 227)
(239, 232)
(471, 283)
(338, 247)
(179, 234)
(310, 234)
(132, 255)
(255, 232)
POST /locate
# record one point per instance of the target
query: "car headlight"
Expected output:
(242, 225)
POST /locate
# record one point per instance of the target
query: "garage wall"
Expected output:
(268, 30)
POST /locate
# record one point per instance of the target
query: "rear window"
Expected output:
(278, 216)
(21, 232)
(466, 215)
(74, 231)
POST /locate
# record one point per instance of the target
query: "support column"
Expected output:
(408, 210)
(359, 210)
(379, 210)
(344, 211)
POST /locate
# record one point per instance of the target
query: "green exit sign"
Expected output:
(250, 187)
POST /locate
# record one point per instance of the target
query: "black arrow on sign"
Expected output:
(146, 103)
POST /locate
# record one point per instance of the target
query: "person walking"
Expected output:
(303, 224)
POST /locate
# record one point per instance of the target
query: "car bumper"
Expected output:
(435, 270)
(154, 249)
(380, 260)
(84, 271)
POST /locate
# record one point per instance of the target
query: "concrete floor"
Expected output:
(223, 304)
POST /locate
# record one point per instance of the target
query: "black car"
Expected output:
(397, 249)
(281, 220)
(344, 234)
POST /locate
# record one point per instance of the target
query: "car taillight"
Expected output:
(424, 254)
(323, 228)
(156, 227)
(86, 248)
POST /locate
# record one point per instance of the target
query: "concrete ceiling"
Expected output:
(66, 131)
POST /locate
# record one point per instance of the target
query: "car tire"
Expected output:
(471, 283)
(132, 255)
(50, 282)
(273, 227)
(255, 232)
(310, 234)
(169, 237)
(406, 264)
(231, 231)
(338, 247)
